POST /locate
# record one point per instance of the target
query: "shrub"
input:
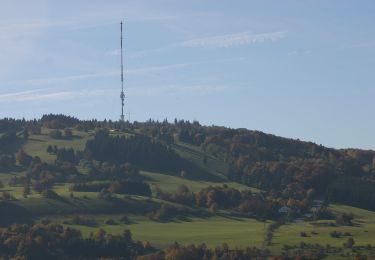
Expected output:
(23, 158)
(345, 219)
(50, 194)
(68, 132)
(110, 222)
(335, 234)
(125, 220)
(349, 243)
(55, 134)
(83, 221)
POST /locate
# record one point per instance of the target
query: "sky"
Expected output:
(298, 69)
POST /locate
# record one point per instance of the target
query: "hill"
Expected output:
(211, 184)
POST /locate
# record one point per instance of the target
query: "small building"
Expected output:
(284, 210)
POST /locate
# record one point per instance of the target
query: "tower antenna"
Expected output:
(122, 95)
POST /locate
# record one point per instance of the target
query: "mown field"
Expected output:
(212, 231)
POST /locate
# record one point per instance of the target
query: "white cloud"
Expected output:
(41, 95)
(236, 39)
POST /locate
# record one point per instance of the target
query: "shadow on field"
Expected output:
(11, 213)
(37, 140)
(228, 216)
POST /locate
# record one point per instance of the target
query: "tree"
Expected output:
(345, 219)
(55, 134)
(68, 132)
(49, 149)
(182, 189)
(26, 134)
(26, 189)
(184, 174)
(213, 208)
(349, 243)
(127, 235)
(205, 159)
(23, 158)
(99, 235)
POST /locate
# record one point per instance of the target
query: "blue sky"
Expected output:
(299, 69)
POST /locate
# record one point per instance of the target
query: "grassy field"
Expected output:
(170, 183)
(37, 144)
(363, 230)
(212, 231)
(212, 169)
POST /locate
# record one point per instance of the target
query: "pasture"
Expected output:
(212, 231)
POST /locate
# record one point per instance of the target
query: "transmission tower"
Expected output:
(122, 95)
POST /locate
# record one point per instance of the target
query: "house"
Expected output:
(284, 210)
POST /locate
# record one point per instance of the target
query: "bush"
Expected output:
(83, 221)
(335, 234)
(55, 134)
(6, 196)
(349, 243)
(345, 219)
(23, 158)
(50, 194)
(68, 132)
(110, 222)
(125, 220)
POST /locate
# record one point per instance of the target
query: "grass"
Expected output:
(363, 230)
(212, 231)
(213, 169)
(170, 183)
(37, 144)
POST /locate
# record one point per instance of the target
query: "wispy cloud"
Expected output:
(47, 95)
(236, 39)
(361, 45)
(115, 73)
(139, 71)
(178, 90)
(300, 52)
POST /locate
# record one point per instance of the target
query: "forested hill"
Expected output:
(288, 168)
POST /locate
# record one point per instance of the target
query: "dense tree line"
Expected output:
(138, 149)
(58, 121)
(7, 139)
(52, 241)
(275, 163)
(11, 125)
(7, 162)
(354, 192)
(223, 197)
(98, 170)
(202, 252)
(119, 187)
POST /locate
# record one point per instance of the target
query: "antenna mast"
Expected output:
(122, 96)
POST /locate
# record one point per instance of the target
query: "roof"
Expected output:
(284, 209)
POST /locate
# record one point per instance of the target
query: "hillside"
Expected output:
(184, 182)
